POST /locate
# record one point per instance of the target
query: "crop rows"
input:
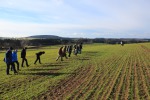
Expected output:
(102, 72)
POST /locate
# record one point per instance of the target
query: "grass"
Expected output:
(100, 72)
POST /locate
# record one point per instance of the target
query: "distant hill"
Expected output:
(44, 37)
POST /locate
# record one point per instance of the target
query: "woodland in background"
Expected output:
(19, 43)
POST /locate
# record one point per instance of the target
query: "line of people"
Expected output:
(77, 49)
(11, 56)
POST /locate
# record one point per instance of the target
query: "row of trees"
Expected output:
(19, 43)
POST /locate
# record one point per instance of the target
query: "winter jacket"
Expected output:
(8, 56)
(60, 51)
(39, 53)
(23, 53)
(14, 56)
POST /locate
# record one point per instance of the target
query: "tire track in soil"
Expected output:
(67, 86)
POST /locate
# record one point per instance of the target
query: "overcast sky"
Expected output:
(75, 18)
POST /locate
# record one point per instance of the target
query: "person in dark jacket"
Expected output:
(80, 48)
(15, 58)
(69, 50)
(122, 43)
(75, 49)
(9, 62)
(23, 56)
(38, 56)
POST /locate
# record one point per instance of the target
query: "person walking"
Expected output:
(75, 49)
(60, 54)
(69, 50)
(38, 56)
(80, 48)
(23, 56)
(15, 58)
(64, 52)
(9, 61)
(122, 43)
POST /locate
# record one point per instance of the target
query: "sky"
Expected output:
(75, 18)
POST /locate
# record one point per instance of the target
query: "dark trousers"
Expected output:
(37, 58)
(17, 64)
(24, 59)
(59, 57)
(8, 67)
(69, 53)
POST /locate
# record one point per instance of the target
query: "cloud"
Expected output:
(87, 18)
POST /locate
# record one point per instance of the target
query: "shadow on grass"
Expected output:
(45, 73)
(55, 64)
(42, 69)
(84, 58)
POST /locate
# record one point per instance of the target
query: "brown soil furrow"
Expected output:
(113, 82)
(121, 78)
(136, 91)
(99, 81)
(145, 48)
(84, 86)
(145, 64)
(105, 79)
(90, 85)
(143, 89)
(67, 86)
(126, 85)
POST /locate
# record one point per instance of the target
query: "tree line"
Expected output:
(19, 43)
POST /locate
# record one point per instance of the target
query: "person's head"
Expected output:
(25, 48)
(15, 50)
(61, 47)
(43, 52)
(11, 48)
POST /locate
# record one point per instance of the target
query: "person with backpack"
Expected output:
(23, 56)
(38, 56)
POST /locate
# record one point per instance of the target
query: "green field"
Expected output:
(101, 72)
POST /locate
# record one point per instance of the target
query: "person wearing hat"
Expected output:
(9, 61)
(23, 56)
